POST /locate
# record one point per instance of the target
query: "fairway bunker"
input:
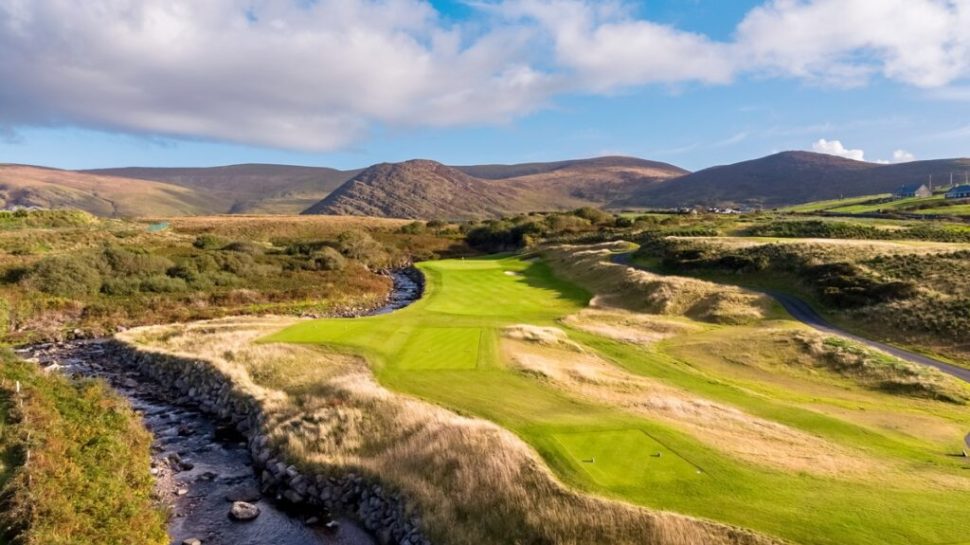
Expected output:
(624, 458)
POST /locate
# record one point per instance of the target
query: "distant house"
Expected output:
(959, 192)
(912, 190)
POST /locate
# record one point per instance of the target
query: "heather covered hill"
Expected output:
(623, 166)
(588, 182)
(110, 196)
(791, 177)
(417, 189)
(248, 188)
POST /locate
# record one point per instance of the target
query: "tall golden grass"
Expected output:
(621, 286)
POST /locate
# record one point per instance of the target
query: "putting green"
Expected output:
(624, 458)
(443, 349)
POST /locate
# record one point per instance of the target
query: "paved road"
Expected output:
(803, 312)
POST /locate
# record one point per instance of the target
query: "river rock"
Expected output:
(243, 511)
(192, 541)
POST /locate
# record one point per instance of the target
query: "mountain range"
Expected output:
(428, 189)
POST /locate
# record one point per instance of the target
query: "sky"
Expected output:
(349, 83)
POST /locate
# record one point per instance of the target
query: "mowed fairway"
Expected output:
(445, 349)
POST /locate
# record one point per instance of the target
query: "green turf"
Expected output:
(624, 458)
(444, 349)
(819, 206)
(955, 210)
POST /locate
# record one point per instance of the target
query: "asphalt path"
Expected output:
(803, 312)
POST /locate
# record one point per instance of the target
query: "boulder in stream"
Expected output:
(243, 511)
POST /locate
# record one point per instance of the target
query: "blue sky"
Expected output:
(578, 80)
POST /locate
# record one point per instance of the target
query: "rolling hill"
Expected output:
(790, 177)
(248, 188)
(423, 189)
(416, 189)
(110, 196)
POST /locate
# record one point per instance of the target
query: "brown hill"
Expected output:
(417, 189)
(789, 177)
(248, 188)
(587, 182)
(112, 196)
(426, 189)
(626, 166)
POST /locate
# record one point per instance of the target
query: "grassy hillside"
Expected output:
(791, 178)
(822, 474)
(108, 196)
(936, 205)
(73, 463)
(248, 189)
(905, 292)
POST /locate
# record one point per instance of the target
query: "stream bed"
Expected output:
(199, 464)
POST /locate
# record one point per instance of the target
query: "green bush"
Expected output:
(121, 286)
(328, 259)
(361, 246)
(160, 283)
(594, 215)
(413, 228)
(209, 242)
(243, 247)
(66, 276)
(126, 262)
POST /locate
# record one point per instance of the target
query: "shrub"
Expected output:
(121, 286)
(160, 283)
(328, 259)
(66, 276)
(243, 247)
(359, 245)
(593, 215)
(134, 262)
(209, 242)
(413, 228)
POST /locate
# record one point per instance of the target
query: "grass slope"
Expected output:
(73, 463)
(427, 350)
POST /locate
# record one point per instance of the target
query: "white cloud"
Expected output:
(919, 42)
(323, 74)
(902, 156)
(296, 75)
(835, 147)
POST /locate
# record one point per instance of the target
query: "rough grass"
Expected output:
(730, 430)
(75, 460)
(621, 286)
(472, 481)
(882, 371)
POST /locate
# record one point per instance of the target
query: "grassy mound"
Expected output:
(621, 286)
(882, 371)
(73, 463)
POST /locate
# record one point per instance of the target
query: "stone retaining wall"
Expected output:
(196, 382)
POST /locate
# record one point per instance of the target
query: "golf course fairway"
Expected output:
(446, 349)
